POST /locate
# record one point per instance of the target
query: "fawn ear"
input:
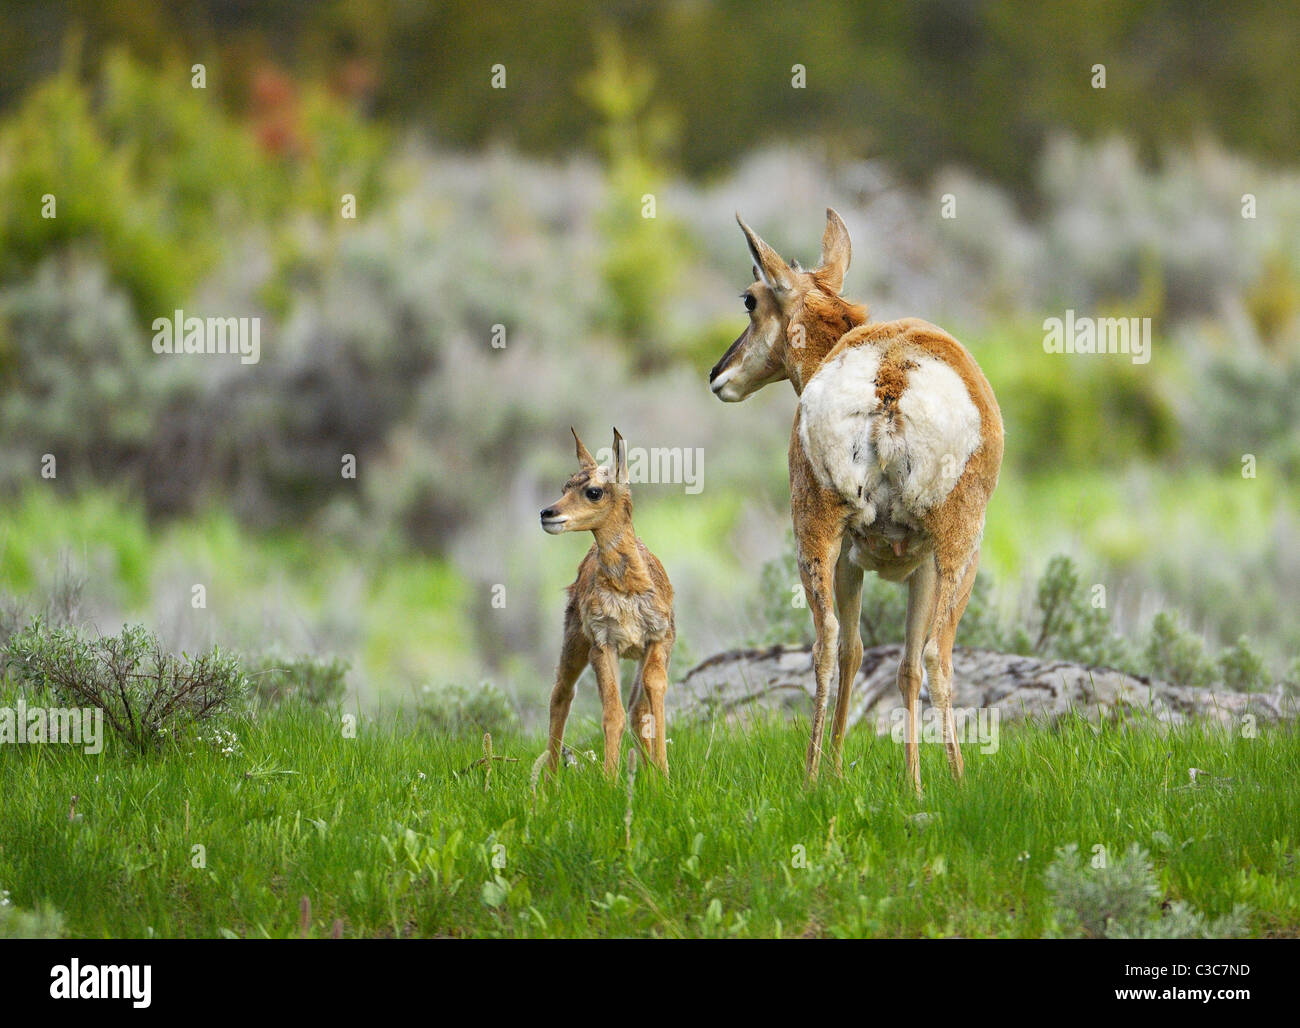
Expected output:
(767, 262)
(585, 460)
(620, 459)
(836, 250)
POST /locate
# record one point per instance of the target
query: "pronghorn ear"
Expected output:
(620, 459)
(767, 262)
(836, 250)
(585, 459)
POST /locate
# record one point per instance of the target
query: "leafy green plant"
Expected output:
(317, 681)
(1291, 681)
(1120, 900)
(144, 692)
(645, 253)
(1070, 626)
(453, 709)
(62, 606)
(18, 923)
(1175, 654)
(1242, 668)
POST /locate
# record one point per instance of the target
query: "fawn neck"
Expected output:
(618, 557)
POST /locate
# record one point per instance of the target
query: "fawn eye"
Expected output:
(594, 494)
(750, 302)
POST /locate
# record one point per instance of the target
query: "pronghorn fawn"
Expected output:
(620, 605)
(894, 453)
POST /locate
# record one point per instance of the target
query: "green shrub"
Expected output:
(316, 681)
(643, 260)
(1175, 654)
(17, 923)
(152, 174)
(79, 379)
(782, 609)
(981, 625)
(1063, 625)
(1120, 900)
(62, 607)
(1070, 627)
(453, 709)
(1291, 681)
(55, 146)
(1241, 668)
(145, 693)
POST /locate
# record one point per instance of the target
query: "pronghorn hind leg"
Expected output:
(954, 594)
(921, 595)
(848, 610)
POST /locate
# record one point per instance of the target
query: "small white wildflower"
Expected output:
(421, 774)
(4, 897)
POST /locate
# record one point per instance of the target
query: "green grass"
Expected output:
(381, 834)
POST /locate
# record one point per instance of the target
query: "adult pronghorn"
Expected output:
(895, 450)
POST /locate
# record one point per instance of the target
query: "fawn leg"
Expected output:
(639, 714)
(573, 658)
(605, 663)
(655, 677)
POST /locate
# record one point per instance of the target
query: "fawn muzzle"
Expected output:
(553, 521)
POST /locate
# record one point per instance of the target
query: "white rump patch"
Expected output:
(893, 476)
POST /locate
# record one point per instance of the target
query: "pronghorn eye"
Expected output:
(594, 494)
(750, 302)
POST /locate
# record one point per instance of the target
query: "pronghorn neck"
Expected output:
(816, 325)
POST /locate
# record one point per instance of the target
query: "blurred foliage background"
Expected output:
(523, 208)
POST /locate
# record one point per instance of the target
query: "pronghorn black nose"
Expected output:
(549, 512)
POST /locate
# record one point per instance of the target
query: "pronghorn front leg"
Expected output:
(604, 662)
(819, 550)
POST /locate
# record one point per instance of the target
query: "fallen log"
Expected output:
(743, 684)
